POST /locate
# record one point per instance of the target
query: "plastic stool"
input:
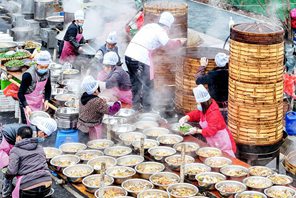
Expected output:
(66, 135)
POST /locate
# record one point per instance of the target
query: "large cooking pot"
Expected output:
(42, 9)
(53, 21)
(27, 6)
(7, 46)
(62, 98)
(22, 33)
(69, 113)
(66, 124)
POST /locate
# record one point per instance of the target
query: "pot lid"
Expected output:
(199, 52)
(7, 45)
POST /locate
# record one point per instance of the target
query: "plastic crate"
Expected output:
(6, 103)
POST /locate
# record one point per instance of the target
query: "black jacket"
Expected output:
(217, 81)
(71, 34)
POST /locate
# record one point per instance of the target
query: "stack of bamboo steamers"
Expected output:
(256, 69)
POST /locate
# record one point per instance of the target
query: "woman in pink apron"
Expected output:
(92, 109)
(117, 84)
(35, 88)
(211, 121)
(73, 39)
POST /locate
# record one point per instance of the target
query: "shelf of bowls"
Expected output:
(145, 157)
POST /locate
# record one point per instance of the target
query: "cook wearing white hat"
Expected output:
(167, 19)
(112, 38)
(79, 15)
(221, 59)
(90, 85)
(201, 94)
(45, 126)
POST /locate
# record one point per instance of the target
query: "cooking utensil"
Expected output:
(37, 114)
(92, 184)
(171, 188)
(96, 162)
(146, 169)
(118, 179)
(193, 169)
(140, 183)
(130, 160)
(82, 170)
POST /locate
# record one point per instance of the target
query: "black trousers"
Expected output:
(23, 116)
(142, 86)
(38, 192)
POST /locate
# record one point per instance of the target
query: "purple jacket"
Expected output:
(118, 78)
(27, 159)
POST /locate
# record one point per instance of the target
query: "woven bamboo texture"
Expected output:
(290, 162)
(255, 101)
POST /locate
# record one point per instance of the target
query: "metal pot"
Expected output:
(69, 113)
(57, 91)
(22, 33)
(42, 9)
(53, 21)
(66, 123)
(28, 6)
(62, 98)
(6, 46)
(70, 73)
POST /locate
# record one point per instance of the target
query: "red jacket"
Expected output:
(215, 121)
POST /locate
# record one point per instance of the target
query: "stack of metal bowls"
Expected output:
(67, 117)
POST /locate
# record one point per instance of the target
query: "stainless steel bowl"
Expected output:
(57, 91)
(68, 113)
(217, 162)
(130, 160)
(138, 186)
(36, 114)
(70, 73)
(190, 148)
(72, 103)
(149, 117)
(96, 162)
(174, 162)
(262, 171)
(146, 169)
(148, 143)
(51, 152)
(281, 191)
(115, 172)
(114, 191)
(62, 98)
(280, 179)
(152, 193)
(172, 190)
(86, 155)
(193, 169)
(169, 177)
(62, 161)
(154, 132)
(69, 82)
(100, 144)
(92, 182)
(239, 187)
(176, 128)
(72, 147)
(126, 113)
(235, 172)
(111, 120)
(206, 152)
(117, 151)
(208, 180)
(81, 171)
(142, 125)
(129, 137)
(161, 152)
(169, 139)
(257, 183)
(122, 128)
(250, 194)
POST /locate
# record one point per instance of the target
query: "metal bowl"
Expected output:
(235, 172)
(217, 162)
(152, 193)
(92, 182)
(57, 91)
(206, 152)
(235, 186)
(135, 186)
(96, 162)
(110, 120)
(176, 128)
(112, 191)
(262, 171)
(193, 169)
(208, 180)
(250, 194)
(62, 161)
(81, 171)
(148, 143)
(86, 155)
(69, 82)
(154, 132)
(100, 144)
(129, 137)
(130, 160)
(168, 178)
(72, 147)
(190, 148)
(117, 151)
(120, 173)
(62, 98)
(36, 114)
(126, 113)
(122, 128)
(281, 191)
(146, 169)
(68, 113)
(142, 125)
(70, 73)
(72, 103)
(280, 179)
(169, 139)
(174, 162)
(257, 183)
(55, 66)
(149, 117)
(51, 152)
(173, 190)
(6, 46)
(160, 152)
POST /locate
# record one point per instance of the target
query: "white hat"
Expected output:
(221, 59)
(112, 38)
(110, 58)
(90, 85)
(167, 19)
(47, 125)
(43, 58)
(79, 15)
(201, 94)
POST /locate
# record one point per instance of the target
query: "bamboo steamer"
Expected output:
(186, 71)
(290, 162)
(255, 102)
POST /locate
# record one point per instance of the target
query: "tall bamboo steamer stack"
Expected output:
(187, 68)
(255, 101)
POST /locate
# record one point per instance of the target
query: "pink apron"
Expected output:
(114, 94)
(35, 99)
(16, 191)
(221, 140)
(5, 148)
(151, 65)
(69, 53)
(96, 132)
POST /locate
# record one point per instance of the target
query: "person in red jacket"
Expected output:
(213, 126)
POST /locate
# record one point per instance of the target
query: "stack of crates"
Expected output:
(6, 103)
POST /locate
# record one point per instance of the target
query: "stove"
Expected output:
(48, 39)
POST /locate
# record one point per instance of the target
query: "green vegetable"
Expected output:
(19, 54)
(14, 63)
(185, 128)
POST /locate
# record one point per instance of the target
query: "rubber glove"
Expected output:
(183, 120)
(204, 61)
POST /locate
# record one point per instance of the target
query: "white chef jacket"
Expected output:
(149, 37)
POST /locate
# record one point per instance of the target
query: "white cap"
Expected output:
(89, 85)
(110, 58)
(47, 125)
(167, 19)
(221, 59)
(201, 94)
(43, 58)
(112, 38)
(79, 15)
